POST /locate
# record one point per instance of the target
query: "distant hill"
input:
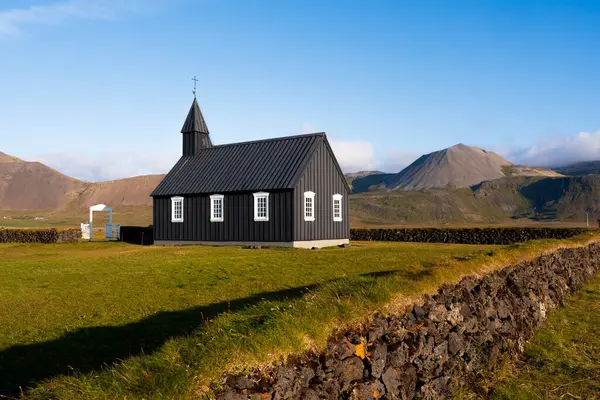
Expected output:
(518, 197)
(351, 176)
(580, 168)
(30, 186)
(525, 170)
(121, 192)
(5, 158)
(35, 186)
(458, 166)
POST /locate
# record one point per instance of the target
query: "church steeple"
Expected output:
(195, 132)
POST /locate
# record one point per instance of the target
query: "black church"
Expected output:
(288, 191)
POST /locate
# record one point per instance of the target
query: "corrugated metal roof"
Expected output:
(246, 166)
(195, 120)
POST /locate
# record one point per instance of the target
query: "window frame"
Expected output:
(174, 200)
(257, 196)
(309, 195)
(213, 200)
(337, 197)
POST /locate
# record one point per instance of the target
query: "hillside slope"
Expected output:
(457, 166)
(32, 185)
(35, 186)
(351, 176)
(28, 186)
(580, 168)
(121, 192)
(519, 197)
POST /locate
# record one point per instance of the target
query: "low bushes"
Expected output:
(39, 235)
(465, 235)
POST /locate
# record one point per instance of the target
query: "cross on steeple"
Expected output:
(195, 81)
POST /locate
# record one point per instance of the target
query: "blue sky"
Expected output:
(99, 89)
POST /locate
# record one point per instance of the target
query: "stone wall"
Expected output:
(68, 236)
(465, 235)
(46, 236)
(440, 345)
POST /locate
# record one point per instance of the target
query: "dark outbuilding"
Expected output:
(287, 191)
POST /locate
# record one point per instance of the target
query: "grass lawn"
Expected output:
(562, 361)
(181, 316)
(73, 216)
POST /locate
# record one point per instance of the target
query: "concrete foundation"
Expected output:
(303, 244)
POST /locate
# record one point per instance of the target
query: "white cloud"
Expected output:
(352, 155)
(103, 167)
(13, 21)
(553, 152)
(357, 155)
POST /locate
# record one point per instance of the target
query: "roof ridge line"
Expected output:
(267, 140)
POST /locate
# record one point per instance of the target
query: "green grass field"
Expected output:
(562, 361)
(72, 217)
(110, 320)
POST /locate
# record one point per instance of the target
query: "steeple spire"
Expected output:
(195, 132)
(194, 121)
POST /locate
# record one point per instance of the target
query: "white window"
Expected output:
(216, 208)
(176, 209)
(337, 207)
(261, 206)
(309, 206)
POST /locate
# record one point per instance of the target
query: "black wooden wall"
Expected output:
(238, 224)
(322, 177)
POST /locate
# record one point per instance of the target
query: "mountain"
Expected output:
(535, 198)
(580, 168)
(35, 186)
(121, 192)
(457, 166)
(29, 186)
(351, 176)
(5, 158)
(32, 185)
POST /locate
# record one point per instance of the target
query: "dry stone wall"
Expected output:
(465, 235)
(440, 345)
(68, 236)
(39, 235)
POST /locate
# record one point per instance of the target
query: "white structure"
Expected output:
(85, 231)
(109, 227)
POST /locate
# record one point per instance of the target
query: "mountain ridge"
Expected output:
(26, 185)
(459, 166)
(6, 158)
(504, 200)
(32, 186)
(456, 166)
(579, 168)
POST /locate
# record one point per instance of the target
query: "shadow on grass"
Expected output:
(88, 349)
